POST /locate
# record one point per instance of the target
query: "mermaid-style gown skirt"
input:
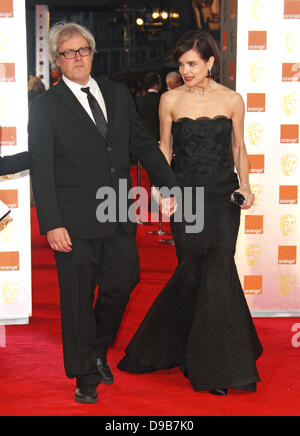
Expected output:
(201, 321)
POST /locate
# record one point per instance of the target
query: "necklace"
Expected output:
(201, 93)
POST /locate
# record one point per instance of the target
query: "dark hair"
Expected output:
(150, 80)
(204, 43)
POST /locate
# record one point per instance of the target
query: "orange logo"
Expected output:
(8, 136)
(257, 163)
(10, 198)
(257, 40)
(9, 261)
(233, 9)
(288, 194)
(256, 103)
(7, 73)
(291, 72)
(253, 285)
(6, 9)
(231, 71)
(225, 41)
(287, 255)
(289, 134)
(254, 224)
(291, 9)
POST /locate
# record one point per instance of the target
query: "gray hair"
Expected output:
(172, 75)
(62, 32)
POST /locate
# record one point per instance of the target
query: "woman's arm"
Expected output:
(166, 120)
(240, 155)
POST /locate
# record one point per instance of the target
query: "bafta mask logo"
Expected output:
(288, 225)
(291, 40)
(9, 177)
(253, 254)
(290, 103)
(8, 230)
(5, 41)
(257, 8)
(257, 190)
(257, 72)
(10, 292)
(286, 284)
(255, 133)
(289, 164)
(6, 105)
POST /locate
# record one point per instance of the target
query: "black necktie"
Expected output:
(99, 118)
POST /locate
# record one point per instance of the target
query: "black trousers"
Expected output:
(89, 326)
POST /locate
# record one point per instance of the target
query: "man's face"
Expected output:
(77, 70)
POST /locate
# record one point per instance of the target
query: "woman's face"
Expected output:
(193, 69)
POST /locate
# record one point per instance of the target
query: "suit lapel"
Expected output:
(69, 99)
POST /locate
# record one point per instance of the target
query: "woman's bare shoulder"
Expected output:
(229, 93)
(173, 95)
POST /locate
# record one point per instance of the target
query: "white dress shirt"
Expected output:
(82, 96)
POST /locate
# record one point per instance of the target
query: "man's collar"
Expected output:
(76, 87)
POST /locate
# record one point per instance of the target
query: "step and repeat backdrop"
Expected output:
(261, 59)
(268, 78)
(15, 243)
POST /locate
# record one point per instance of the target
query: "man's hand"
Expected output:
(59, 240)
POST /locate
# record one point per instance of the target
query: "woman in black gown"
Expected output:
(201, 321)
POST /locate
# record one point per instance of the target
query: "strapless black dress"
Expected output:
(201, 321)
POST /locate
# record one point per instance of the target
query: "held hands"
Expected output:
(168, 206)
(59, 240)
(250, 197)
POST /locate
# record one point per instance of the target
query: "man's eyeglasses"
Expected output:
(71, 54)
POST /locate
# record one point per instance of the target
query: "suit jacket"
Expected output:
(148, 108)
(15, 163)
(71, 160)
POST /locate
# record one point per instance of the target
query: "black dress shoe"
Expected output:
(104, 371)
(86, 395)
(219, 392)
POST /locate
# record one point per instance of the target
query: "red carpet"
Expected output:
(32, 376)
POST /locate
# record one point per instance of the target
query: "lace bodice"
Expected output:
(203, 146)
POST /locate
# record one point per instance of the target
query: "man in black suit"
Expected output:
(148, 104)
(81, 134)
(14, 164)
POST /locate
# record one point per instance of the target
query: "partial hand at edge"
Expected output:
(59, 240)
